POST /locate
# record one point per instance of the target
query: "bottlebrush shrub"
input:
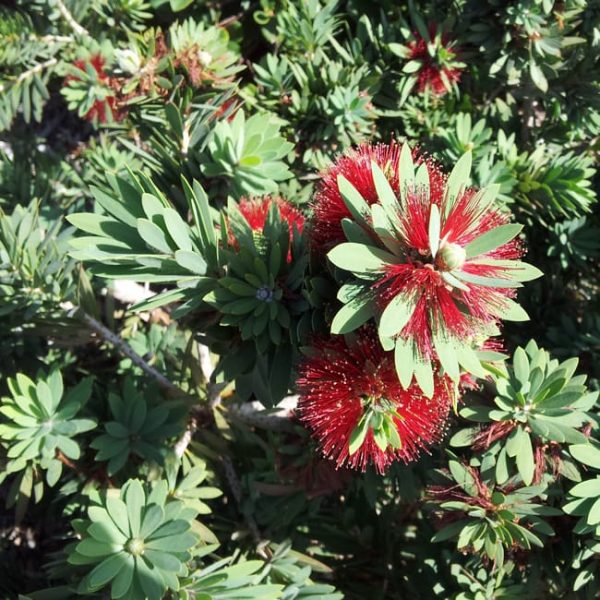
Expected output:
(136, 542)
(88, 90)
(487, 518)
(435, 266)
(246, 277)
(37, 433)
(262, 293)
(538, 404)
(352, 400)
(433, 63)
(249, 154)
(138, 429)
(205, 53)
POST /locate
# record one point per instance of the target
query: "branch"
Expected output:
(236, 490)
(253, 413)
(25, 75)
(68, 17)
(124, 348)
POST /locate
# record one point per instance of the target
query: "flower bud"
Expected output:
(204, 57)
(450, 257)
(129, 61)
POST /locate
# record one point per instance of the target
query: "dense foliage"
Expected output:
(299, 299)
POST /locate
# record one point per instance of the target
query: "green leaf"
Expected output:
(586, 454)
(487, 281)
(537, 76)
(178, 229)
(511, 311)
(355, 203)
(122, 581)
(153, 236)
(514, 269)
(385, 193)
(587, 489)
(396, 315)
(521, 366)
(405, 360)
(135, 500)
(191, 261)
(525, 459)
(593, 517)
(359, 258)
(492, 239)
(424, 377)
(463, 477)
(468, 360)
(118, 513)
(107, 570)
(358, 435)
(406, 171)
(457, 182)
(446, 351)
(434, 229)
(352, 315)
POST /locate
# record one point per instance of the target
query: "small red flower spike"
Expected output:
(351, 399)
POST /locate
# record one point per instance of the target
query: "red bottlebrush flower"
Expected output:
(329, 208)
(342, 386)
(466, 307)
(436, 65)
(434, 265)
(255, 211)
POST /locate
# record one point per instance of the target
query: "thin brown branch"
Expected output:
(26, 74)
(124, 348)
(68, 17)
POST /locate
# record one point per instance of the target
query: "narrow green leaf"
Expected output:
(492, 239)
(521, 366)
(424, 377)
(404, 359)
(360, 258)
(352, 315)
(191, 261)
(457, 182)
(446, 351)
(358, 435)
(355, 203)
(586, 454)
(385, 193)
(178, 229)
(396, 315)
(406, 170)
(434, 229)
(153, 236)
(525, 460)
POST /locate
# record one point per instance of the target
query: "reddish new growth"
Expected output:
(329, 208)
(339, 383)
(434, 68)
(100, 107)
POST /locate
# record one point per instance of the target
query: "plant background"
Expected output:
(312, 79)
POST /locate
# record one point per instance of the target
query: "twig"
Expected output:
(124, 348)
(213, 390)
(253, 413)
(236, 490)
(214, 397)
(68, 17)
(49, 39)
(26, 74)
